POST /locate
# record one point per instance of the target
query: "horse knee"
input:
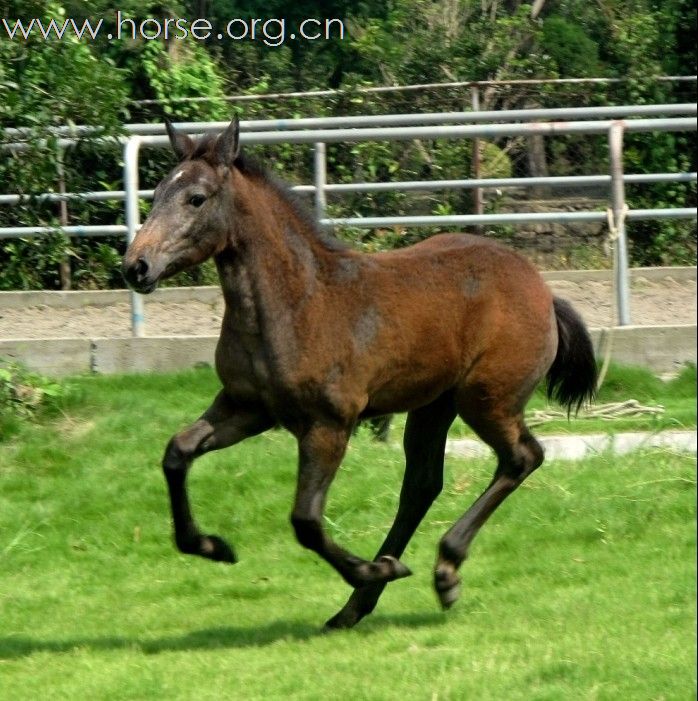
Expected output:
(187, 445)
(308, 532)
(176, 457)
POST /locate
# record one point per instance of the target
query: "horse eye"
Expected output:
(197, 200)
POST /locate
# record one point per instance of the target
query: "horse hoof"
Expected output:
(215, 548)
(447, 585)
(397, 569)
(341, 621)
(385, 569)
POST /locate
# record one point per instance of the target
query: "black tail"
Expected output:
(572, 376)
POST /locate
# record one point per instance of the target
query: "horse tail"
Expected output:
(571, 380)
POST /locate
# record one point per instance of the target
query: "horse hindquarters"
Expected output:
(518, 351)
(492, 402)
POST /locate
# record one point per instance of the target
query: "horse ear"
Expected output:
(181, 144)
(228, 144)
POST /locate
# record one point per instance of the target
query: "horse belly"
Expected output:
(416, 378)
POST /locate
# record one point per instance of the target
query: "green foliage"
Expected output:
(191, 72)
(98, 266)
(677, 28)
(623, 382)
(32, 263)
(664, 242)
(494, 162)
(684, 384)
(62, 81)
(574, 53)
(24, 395)
(46, 83)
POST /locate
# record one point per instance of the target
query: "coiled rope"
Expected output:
(628, 409)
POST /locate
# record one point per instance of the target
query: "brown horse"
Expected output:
(316, 337)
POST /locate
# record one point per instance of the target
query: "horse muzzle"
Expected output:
(140, 274)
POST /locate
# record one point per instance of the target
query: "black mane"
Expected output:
(253, 168)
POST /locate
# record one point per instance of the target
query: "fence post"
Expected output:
(320, 173)
(476, 171)
(618, 210)
(64, 265)
(131, 148)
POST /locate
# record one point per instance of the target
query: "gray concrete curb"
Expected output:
(55, 357)
(76, 356)
(676, 273)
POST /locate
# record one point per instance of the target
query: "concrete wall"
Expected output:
(104, 298)
(74, 356)
(52, 356)
(663, 349)
(152, 354)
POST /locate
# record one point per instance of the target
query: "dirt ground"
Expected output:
(652, 303)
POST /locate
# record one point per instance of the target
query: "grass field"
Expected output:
(581, 587)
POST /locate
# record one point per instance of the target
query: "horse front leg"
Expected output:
(321, 451)
(223, 424)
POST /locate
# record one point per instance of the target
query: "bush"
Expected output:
(25, 394)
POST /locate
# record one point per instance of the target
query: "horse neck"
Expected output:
(273, 261)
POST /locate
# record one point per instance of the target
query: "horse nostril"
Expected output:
(136, 272)
(141, 269)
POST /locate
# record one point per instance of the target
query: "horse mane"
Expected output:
(253, 168)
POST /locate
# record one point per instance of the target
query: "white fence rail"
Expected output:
(454, 125)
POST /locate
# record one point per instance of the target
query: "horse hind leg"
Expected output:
(425, 443)
(518, 455)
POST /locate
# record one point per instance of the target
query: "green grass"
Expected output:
(581, 587)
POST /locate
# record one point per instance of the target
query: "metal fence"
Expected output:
(407, 127)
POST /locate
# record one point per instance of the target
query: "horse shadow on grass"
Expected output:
(221, 637)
